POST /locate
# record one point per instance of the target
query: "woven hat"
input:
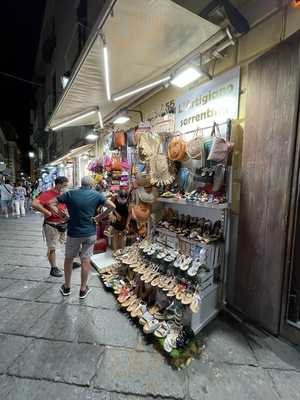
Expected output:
(143, 179)
(145, 196)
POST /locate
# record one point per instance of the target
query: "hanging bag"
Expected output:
(119, 139)
(131, 137)
(220, 148)
(116, 164)
(195, 146)
(177, 149)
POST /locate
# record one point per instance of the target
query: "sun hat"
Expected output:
(145, 196)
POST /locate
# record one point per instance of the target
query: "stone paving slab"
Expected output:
(225, 343)
(5, 283)
(272, 352)
(27, 389)
(58, 361)
(128, 371)
(19, 316)
(25, 273)
(287, 383)
(24, 290)
(10, 348)
(211, 381)
(12, 244)
(105, 327)
(28, 251)
(60, 322)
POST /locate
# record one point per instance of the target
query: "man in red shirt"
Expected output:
(54, 224)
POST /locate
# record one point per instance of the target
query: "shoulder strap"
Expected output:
(7, 190)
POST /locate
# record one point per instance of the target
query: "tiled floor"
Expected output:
(62, 348)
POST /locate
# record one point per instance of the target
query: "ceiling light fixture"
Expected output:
(67, 123)
(121, 119)
(91, 136)
(186, 76)
(106, 73)
(141, 89)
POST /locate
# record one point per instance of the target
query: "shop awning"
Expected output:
(144, 38)
(73, 153)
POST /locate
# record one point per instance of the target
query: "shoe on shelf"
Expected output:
(65, 291)
(84, 293)
(56, 272)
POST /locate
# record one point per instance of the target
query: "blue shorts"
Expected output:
(6, 203)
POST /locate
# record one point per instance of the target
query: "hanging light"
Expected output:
(31, 154)
(106, 72)
(186, 76)
(71, 121)
(121, 118)
(141, 89)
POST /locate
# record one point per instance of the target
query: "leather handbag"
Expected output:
(195, 146)
(220, 148)
(131, 137)
(119, 139)
(116, 164)
(177, 149)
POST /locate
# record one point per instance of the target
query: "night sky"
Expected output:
(20, 25)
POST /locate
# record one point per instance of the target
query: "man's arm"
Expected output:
(39, 207)
(53, 206)
(110, 206)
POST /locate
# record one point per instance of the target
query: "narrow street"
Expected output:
(56, 348)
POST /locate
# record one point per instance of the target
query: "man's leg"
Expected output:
(85, 272)
(17, 208)
(22, 207)
(68, 268)
(86, 253)
(51, 235)
(72, 250)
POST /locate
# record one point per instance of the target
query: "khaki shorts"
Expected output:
(53, 237)
(84, 246)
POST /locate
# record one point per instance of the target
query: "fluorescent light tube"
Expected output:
(140, 89)
(185, 77)
(122, 119)
(91, 136)
(106, 73)
(73, 120)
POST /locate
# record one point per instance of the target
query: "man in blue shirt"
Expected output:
(82, 205)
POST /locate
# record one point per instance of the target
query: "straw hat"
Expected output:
(145, 196)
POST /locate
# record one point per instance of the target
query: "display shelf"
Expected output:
(183, 202)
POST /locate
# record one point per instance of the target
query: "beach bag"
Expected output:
(159, 170)
(195, 146)
(131, 137)
(116, 164)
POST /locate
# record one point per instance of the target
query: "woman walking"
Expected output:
(6, 191)
(19, 200)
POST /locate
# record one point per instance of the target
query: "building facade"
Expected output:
(9, 151)
(65, 29)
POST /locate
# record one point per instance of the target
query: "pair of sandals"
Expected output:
(182, 262)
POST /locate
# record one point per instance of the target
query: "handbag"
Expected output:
(195, 146)
(220, 148)
(177, 149)
(119, 139)
(131, 137)
(116, 164)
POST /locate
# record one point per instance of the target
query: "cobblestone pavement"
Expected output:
(60, 348)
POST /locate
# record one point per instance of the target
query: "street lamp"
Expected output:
(31, 154)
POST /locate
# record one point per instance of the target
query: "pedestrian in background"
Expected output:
(19, 196)
(81, 235)
(54, 226)
(6, 190)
